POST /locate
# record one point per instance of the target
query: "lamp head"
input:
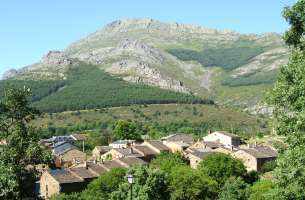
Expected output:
(130, 179)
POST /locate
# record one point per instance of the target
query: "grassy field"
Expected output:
(167, 118)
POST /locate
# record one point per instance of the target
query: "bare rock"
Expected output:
(56, 58)
(9, 74)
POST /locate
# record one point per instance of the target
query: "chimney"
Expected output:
(85, 165)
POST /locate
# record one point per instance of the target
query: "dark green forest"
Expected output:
(227, 58)
(88, 87)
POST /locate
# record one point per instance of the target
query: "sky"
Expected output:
(29, 29)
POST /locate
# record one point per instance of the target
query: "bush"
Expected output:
(220, 167)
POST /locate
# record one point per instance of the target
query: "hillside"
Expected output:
(87, 87)
(226, 66)
(164, 119)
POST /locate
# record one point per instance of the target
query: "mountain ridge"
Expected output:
(180, 57)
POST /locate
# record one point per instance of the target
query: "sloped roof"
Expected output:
(261, 152)
(227, 134)
(83, 172)
(110, 164)
(145, 150)
(158, 145)
(64, 176)
(123, 141)
(79, 137)
(103, 148)
(62, 148)
(127, 152)
(131, 161)
(179, 137)
(201, 154)
(98, 169)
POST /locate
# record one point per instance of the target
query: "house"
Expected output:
(79, 137)
(185, 138)
(206, 145)
(122, 143)
(116, 153)
(226, 150)
(178, 146)
(66, 154)
(224, 138)
(98, 151)
(196, 156)
(156, 145)
(147, 154)
(53, 182)
(56, 140)
(255, 157)
(131, 161)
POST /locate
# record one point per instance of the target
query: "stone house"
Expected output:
(147, 153)
(156, 145)
(116, 153)
(98, 151)
(224, 138)
(66, 154)
(177, 146)
(196, 156)
(53, 182)
(185, 138)
(76, 178)
(255, 157)
(206, 145)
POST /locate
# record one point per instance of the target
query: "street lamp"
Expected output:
(130, 180)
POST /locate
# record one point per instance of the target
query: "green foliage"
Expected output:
(8, 182)
(253, 79)
(150, 184)
(295, 16)
(73, 196)
(227, 58)
(167, 161)
(88, 87)
(103, 186)
(22, 147)
(268, 166)
(220, 167)
(190, 184)
(287, 96)
(126, 130)
(260, 190)
(234, 189)
(39, 88)
(290, 174)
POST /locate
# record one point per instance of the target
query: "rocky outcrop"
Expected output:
(9, 74)
(139, 72)
(56, 58)
(267, 61)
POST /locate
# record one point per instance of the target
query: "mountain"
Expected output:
(226, 66)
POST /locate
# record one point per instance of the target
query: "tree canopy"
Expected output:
(21, 152)
(220, 167)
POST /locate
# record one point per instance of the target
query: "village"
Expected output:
(75, 170)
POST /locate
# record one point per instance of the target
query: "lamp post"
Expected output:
(130, 180)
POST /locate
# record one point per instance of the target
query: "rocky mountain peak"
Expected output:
(9, 74)
(56, 58)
